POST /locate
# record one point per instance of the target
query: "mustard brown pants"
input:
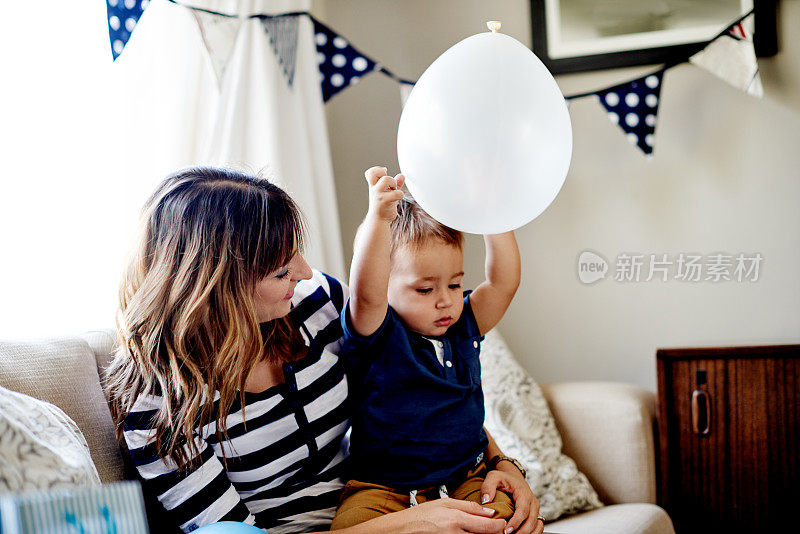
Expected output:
(362, 501)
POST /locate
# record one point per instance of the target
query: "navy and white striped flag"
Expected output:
(634, 107)
(282, 32)
(340, 65)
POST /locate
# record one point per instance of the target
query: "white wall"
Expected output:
(725, 178)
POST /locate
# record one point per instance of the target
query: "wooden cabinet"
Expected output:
(729, 433)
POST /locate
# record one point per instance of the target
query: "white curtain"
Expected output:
(251, 119)
(85, 141)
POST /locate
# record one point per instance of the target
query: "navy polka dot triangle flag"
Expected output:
(340, 65)
(634, 107)
(122, 18)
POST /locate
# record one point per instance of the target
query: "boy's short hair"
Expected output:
(414, 227)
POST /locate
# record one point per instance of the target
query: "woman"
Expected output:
(227, 389)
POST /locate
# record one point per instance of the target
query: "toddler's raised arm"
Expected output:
(369, 271)
(491, 298)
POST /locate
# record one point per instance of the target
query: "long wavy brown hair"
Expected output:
(187, 324)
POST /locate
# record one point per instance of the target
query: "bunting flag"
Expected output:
(634, 106)
(122, 18)
(219, 37)
(731, 57)
(405, 92)
(340, 65)
(282, 33)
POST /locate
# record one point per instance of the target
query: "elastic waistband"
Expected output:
(451, 483)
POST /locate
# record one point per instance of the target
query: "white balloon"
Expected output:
(485, 139)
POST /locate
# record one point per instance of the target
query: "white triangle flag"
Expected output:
(219, 37)
(405, 92)
(731, 57)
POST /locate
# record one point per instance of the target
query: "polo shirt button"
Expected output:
(475, 344)
(448, 363)
(440, 344)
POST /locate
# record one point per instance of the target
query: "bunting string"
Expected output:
(632, 105)
(730, 27)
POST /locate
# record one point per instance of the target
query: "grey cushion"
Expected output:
(63, 371)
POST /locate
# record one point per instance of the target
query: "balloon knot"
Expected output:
(494, 25)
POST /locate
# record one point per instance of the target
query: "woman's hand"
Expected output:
(448, 516)
(526, 507)
(440, 516)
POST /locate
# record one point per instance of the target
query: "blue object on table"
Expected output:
(109, 509)
(228, 527)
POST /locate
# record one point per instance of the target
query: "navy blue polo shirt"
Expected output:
(416, 422)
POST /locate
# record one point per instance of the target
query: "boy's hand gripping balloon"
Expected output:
(485, 139)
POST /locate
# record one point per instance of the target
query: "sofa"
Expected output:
(607, 428)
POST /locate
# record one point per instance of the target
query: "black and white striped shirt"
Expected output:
(283, 469)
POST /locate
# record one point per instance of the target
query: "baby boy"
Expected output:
(412, 342)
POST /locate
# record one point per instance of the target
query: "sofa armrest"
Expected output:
(103, 343)
(608, 429)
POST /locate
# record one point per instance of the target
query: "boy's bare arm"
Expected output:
(369, 271)
(491, 298)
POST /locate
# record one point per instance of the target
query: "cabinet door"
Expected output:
(763, 444)
(694, 485)
(743, 474)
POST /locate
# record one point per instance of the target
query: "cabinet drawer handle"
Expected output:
(701, 412)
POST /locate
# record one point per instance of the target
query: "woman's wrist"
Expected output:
(384, 524)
